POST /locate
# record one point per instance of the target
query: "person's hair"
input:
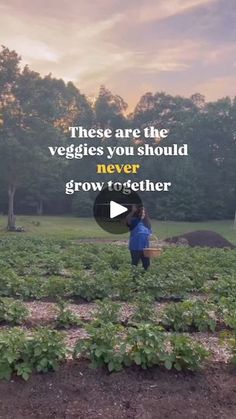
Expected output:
(146, 220)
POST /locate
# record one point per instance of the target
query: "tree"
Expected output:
(32, 109)
(109, 110)
(12, 129)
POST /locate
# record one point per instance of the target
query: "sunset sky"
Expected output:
(131, 46)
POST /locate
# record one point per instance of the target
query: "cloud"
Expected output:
(32, 50)
(169, 45)
(170, 57)
(158, 10)
(217, 87)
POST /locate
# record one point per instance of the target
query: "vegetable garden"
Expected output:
(186, 292)
(62, 302)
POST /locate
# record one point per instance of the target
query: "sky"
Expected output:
(180, 47)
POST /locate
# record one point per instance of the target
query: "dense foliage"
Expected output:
(39, 268)
(22, 353)
(145, 345)
(197, 287)
(35, 113)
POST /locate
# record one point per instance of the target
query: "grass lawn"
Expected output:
(76, 228)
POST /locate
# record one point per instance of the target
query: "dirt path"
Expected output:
(76, 391)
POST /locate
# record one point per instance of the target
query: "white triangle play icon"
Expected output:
(116, 209)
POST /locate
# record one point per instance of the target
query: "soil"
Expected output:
(201, 238)
(76, 391)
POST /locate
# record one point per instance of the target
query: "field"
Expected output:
(161, 344)
(77, 228)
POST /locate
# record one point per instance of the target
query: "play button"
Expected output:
(111, 209)
(116, 209)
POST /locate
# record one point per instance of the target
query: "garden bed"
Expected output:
(62, 296)
(76, 391)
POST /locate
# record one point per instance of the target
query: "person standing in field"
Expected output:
(140, 230)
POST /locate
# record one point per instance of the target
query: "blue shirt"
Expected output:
(139, 235)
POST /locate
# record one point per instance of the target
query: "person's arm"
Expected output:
(129, 217)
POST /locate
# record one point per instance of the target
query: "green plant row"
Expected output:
(37, 268)
(183, 316)
(186, 316)
(189, 315)
(24, 354)
(108, 344)
(147, 345)
(117, 285)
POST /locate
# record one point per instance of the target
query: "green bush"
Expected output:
(22, 354)
(12, 311)
(45, 349)
(65, 317)
(107, 311)
(102, 346)
(146, 345)
(55, 287)
(225, 287)
(189, 315)
(227, 309)
(144, 309)
(185, 354)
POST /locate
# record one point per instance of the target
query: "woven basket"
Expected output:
(153, 252)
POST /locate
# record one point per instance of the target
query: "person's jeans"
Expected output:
(136, 256)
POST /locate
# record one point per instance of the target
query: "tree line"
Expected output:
(36, 111)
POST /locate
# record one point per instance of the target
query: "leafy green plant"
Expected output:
(107, 311)
(91, 287)
(53, 265)
(32, 287)
(65, 317)
(13, 311)
(10, 283)
(45, 349)
(56, 287)
(102, 346)
(144, 309)
(88, 260)
(185, 315)
(13, 343)
(227, 309)
(144, 346)
(22, 353)
(225, 287)
(185, 354)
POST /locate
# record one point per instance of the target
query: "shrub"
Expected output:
(227, 309)
(102, 346)
(189, 314)
(65, 317)
(144, 346)
(185, 354)
(147, 345)
(56, 287)
(13, 344)
(12, 311)
(46, 348)
(225, 287)
(21, 353)
(144, 309)
(107, 311)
